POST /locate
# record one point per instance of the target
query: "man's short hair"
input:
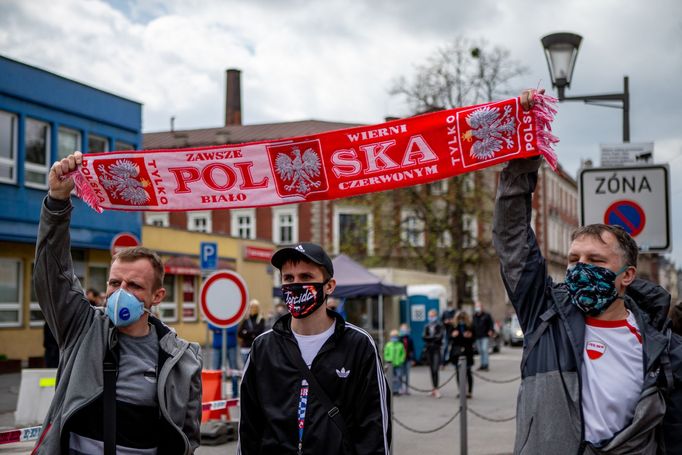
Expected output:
(627, 244)
(92, 291)
(135, 253)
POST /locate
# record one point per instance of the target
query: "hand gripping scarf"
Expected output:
(329, 165)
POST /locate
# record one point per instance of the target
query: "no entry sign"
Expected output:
(635, 198)
(223, 298)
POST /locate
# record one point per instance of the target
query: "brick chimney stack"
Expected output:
(233, 98)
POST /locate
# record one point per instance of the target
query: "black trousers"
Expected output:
(433, 355)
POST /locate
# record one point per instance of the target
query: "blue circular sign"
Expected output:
(626, 214)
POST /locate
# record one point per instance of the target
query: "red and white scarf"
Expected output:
(329, 165)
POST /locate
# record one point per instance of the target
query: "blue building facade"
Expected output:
(45, 117)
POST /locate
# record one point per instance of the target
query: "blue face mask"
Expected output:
(433, 318)
(404, 332)
(394, 339)
(592, 288)
(124, 309)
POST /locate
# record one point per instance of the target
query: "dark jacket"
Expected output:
(433, 335)
(84, 333)
(462, 345)
(549, 410)
(483, 324)
(349, 369)
(249, 329)
(408, 344)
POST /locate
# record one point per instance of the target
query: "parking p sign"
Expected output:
(208, 252)
(635, 198)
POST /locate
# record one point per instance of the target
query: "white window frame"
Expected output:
(66, 130)
(170, 305)
(277, 225)
(11, 163)
(439, 187)
(236, 227)
(98, 137)
(411, 228)
(193, 217)
(15, 306)
(34, 167)
(344, 210)
(161, 219)
(189, 304)
(470, 226)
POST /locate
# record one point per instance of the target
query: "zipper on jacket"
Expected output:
(162, 408)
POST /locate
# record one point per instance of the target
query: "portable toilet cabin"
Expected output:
(420, 299)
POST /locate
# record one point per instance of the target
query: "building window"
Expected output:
(469, 230)
(439, 188)
(160, 219)
(8, 147)
(168, 308)
(68, 141)
(37, 147)
(199, 222)
(243, 223)
(353, 231)
(120, 145)
(412, 228)
(11, 281)
(97, 144)
(284, 225)
(189, 298)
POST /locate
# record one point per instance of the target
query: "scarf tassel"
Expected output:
(544, 111)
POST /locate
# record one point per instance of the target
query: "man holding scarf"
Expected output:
(596, 364)
(314, 383)
(127, 383)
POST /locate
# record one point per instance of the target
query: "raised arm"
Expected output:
(522, 265)
(59, 292)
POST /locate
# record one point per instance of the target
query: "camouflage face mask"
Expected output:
(592, 288)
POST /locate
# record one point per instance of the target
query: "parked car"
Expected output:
(512, 335)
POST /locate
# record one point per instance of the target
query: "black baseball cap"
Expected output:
(309, 251)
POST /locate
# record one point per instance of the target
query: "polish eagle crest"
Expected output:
(121, 180)
(490, 131)
(301, 171)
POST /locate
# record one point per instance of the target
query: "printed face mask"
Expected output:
(303, 299)
(592, 288)
(123, 308)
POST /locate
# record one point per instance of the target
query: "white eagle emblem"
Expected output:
(490, 130)
(121, 181)
(301, 170)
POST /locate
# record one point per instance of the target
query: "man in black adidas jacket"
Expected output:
(314, 384)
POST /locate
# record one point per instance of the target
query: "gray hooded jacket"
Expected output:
(549, 410)
(85, 333)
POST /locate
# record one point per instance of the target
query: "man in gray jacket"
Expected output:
(596, 366)
(155, 407)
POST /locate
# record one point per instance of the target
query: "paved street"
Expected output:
(422, 412)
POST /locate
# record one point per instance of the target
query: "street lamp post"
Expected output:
(561, 50)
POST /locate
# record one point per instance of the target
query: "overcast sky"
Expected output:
(336, 60)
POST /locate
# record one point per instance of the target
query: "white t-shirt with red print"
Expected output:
(612, 376)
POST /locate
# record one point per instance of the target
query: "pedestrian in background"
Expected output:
(463, 345)
(394, 355)
(484, 329)
(217, 353)
(51, 348)
(410, 359)
(280, 310)
(92, 295)
(250, 327)
(446, 318)
(676, 317)
(433, 341)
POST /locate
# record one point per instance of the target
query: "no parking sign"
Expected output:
(635, 198)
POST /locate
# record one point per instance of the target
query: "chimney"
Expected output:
(233, 98)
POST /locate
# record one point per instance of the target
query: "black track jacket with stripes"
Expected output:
(348, 368)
